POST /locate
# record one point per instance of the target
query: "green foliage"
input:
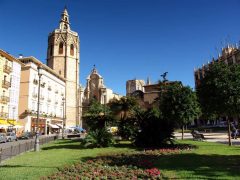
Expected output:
(128, 128)
(97, 116)
(98, 138)
(123, 107)
(219, 90)
(179, 104)
(154, 130)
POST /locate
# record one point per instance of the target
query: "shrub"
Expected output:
(128, 128)
(98, 138)
(154, 130)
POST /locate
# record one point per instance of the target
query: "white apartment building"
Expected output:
(14, 91)
(52, 97)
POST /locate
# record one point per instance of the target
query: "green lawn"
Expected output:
(209, 161)
(33, 165)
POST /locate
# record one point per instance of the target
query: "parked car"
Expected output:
(26, 135)
(3, 137)
(11, 136)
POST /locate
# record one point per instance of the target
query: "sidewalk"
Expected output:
(211, 137)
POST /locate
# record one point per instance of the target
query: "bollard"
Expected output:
(1, 155)
(11, 151)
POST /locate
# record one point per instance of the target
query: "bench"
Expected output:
(197, 136)
(207, 130)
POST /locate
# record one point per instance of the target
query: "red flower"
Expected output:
(153, 171)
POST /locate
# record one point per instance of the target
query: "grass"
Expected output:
(33, 165)
(209, 161)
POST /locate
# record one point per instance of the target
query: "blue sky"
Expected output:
(126, 39)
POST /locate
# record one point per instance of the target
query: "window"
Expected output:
(60, 50)
(60, 72)
(65, 18)
(51, 50)
(230, 61)
(65, 26)
(2, 110)
(33, 105)
(71, 50)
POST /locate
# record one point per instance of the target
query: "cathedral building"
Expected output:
(146, 94)
(63, 56)
(95, 89)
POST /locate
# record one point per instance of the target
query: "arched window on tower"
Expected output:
(60, 50)
(71, 50)
(51, 50)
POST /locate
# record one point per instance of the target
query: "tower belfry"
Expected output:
(64, 22)
(63, 56)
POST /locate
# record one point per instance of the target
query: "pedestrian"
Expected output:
(234, 131)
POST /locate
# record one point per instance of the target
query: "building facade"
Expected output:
(229, 55)
(10, 70)
(134, 85)
(95, 89)
(146, 94)
(51, 97)
(63, 56)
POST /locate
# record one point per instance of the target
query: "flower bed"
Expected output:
(139, 165)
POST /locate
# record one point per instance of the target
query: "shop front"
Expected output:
(54, 126)
(41, 125)
(7, 125)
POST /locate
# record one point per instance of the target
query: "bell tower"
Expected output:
(63, 57)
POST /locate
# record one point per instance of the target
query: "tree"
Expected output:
(154, 130)
(219, 91)
(123, 106)
(96, 118)
(179, 104)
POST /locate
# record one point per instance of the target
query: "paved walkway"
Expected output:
(211, 137)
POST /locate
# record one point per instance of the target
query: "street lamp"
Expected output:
(13, 112)
(105, 96)
(36, 145)
(63, 101)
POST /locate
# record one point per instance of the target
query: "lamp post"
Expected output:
(36, 145)
(63, 101)
(13, 116)
(104, 100)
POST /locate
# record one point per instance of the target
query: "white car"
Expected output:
(3, 137)
(11, 136)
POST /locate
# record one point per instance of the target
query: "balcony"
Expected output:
(35, 81)
(43, 85)
(7, 69)
(49, 88)
(34, 95)
(3, 115)
(4, 99)
(6, 84)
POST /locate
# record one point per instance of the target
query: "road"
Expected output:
(211, 137)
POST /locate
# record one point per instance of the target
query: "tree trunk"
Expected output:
(182, 131)
(229, 133)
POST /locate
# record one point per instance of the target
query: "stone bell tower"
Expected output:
(63, 57)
